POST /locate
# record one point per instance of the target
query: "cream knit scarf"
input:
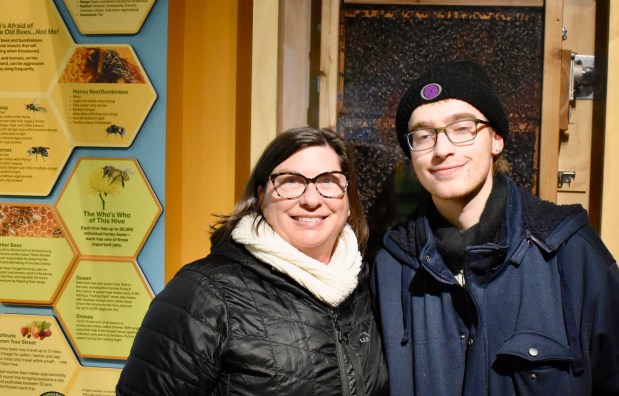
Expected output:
(330, 283)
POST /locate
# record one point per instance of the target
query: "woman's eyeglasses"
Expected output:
(291, 185)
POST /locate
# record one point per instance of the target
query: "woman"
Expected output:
(281, 305)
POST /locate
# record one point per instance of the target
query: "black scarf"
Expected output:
(452, 243)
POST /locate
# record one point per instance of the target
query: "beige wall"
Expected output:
(610, 209)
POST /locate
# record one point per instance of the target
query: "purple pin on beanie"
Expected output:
(431, 91)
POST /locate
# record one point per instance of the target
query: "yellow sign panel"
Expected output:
(104, 95)
(35, 254)
(102, 306)
(94, 381)
(108, 207)
(109, 17)
(34, 146)
(34, 356)
(33, 44)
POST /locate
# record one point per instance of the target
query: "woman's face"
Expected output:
(310, 223)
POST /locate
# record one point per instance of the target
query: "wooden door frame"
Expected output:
(548, 155)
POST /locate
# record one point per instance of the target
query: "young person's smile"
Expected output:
(454, 171)
(446, 171)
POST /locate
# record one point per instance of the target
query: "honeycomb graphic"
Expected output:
(28, 221)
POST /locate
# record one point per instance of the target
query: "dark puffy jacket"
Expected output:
(230, 325)
(539, 314)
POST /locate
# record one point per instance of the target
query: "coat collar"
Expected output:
(527, 220)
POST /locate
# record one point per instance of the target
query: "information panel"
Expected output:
(34, 356)
(81, 228)
(35, 254)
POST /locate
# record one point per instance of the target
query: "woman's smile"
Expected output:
(311, 223)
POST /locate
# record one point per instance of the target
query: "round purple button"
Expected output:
(431, 91)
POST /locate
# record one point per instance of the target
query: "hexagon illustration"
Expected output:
(94, 381)
(34, 42)
(104, 95)
(36, 357)
(35, 254)
(34, 146)
(102, 305)
(108, 17)
(108, 207)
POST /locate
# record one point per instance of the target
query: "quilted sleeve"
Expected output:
(178, 347)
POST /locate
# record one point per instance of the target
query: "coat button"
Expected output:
(533, 352)
(533, 376)
(462, 337)
(470, 342)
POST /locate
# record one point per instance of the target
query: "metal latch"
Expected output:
(566, 177)
(583, 77)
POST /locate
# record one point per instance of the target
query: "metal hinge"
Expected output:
(566, 177)
(583, 77)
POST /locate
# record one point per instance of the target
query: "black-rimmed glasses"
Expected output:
(462, 131)
(291, 185)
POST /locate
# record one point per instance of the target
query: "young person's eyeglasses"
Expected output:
(458, 132)
(291, 185)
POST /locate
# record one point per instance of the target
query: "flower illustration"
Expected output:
(100, 183)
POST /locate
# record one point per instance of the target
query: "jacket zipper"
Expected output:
(356, 365)
(340, 355)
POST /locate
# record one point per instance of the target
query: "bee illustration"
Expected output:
(115, 175)
(109, 67)
(57, 233)
(115, 130)
(35, 107)
(17, 219)
(9, 228)
(36, 151)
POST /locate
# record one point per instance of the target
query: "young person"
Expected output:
(487, 290)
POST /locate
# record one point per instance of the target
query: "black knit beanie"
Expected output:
(463, 80)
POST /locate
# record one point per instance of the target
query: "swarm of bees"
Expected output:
(17, 218)
(116, 175)
(35, 107)
(36, 151)
(115, 130)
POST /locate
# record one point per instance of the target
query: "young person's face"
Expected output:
(311, 222)
(454, 171)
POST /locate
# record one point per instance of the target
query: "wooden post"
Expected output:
(551, 105)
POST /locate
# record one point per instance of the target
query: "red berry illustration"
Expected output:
(36, 329)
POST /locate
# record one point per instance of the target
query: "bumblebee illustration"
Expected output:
(115, 130)
(115, 175)
(36, 151)
(35, 107)
(109, 67)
